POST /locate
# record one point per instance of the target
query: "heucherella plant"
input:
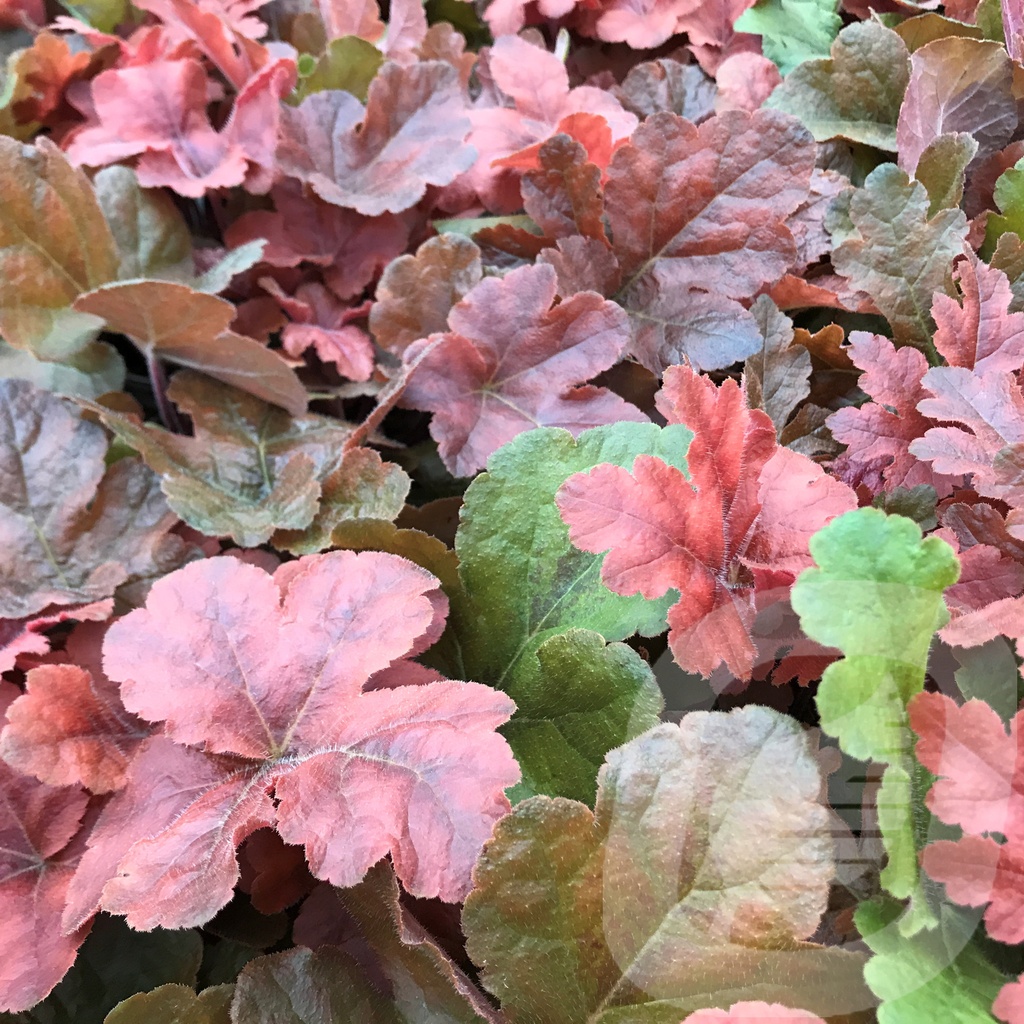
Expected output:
(512, 512)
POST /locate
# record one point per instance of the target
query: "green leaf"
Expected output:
(252, 469)
(877, 596)
(350, 64)
(899, 256)
(113, 964)
(104, 15)
(175, 1004)
(937, 975)
(855, 94)
(89, 373)
(792, 31)
(942, 167)
(1009, 197)
(660, 902)
(524, 583)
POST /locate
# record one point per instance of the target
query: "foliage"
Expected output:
(512, 512)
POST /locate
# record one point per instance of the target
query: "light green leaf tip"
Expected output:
(792, 31)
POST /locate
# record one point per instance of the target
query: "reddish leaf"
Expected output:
(72, 530)
(956, 85)
(25, 636)
(980, 788)
(351, 248)
(38, 850)
(272, 678)
(70, 727)
(879, 434)
(416, 293)
(157, 112)
(740, 524)
(989, 441)
(764, 1013)
(510, 362)
(380, 159)
(981, 334)
(564, 196)
(1009, 1004)
(668, 85)
(745, 81)
(273, 874)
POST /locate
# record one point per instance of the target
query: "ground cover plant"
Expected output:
(512, 512)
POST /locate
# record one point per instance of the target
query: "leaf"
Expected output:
(253, 472)
(270, 696)
(72, 530)
(348, 63)
(935, 975)
(956, 85)
(156, 112)
(877, 596)
(899, 256)
(89, 373)
(510, 362)
(776, 379)
(987, 437)
(1009, 198)
(981, 334)
(879, 434)
(526, 590)
(419, 981)
(380, 159)
(792, 31)
(175, 1004)
(1009, 1004)
(855, 95)
(981, 788)
(70, 728)
(54, 244)
(942, 167)
(655, 905)
(739, 522)
(667, 84)
(171, 321)
(115, 963)
(416, 293)
(39, 845)
(775, 1013)
(702, 209)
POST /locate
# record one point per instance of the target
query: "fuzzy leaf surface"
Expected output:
(653, 905)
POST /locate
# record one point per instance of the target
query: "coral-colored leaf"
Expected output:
(380, 159)
(172, 321)
(417, 292)
(270, 679)
(38, 849)
(511, 362)
(764, 1013)
(1009, 1004)
(747, 505)
(69, 727)
(72, 531)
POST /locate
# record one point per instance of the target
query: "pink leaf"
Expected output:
(271, 695)
(38, 849)
(740, 524)
(510, 362)
(1009, 1004)
(981, 334)
(764, 1013)
(382, 158)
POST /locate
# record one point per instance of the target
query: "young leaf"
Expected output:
(380, 159)
(510, 362)
(896, 253)
(55, 244)
(980, 788)
(792, 31)
(740, 1013)
(739, 523)
(531, 603)
(877, 596)
(167, 320)
(72, 530)
(271, 696)
(855, 95)
(935, 975)
(1009, 1004)
(654, 904)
